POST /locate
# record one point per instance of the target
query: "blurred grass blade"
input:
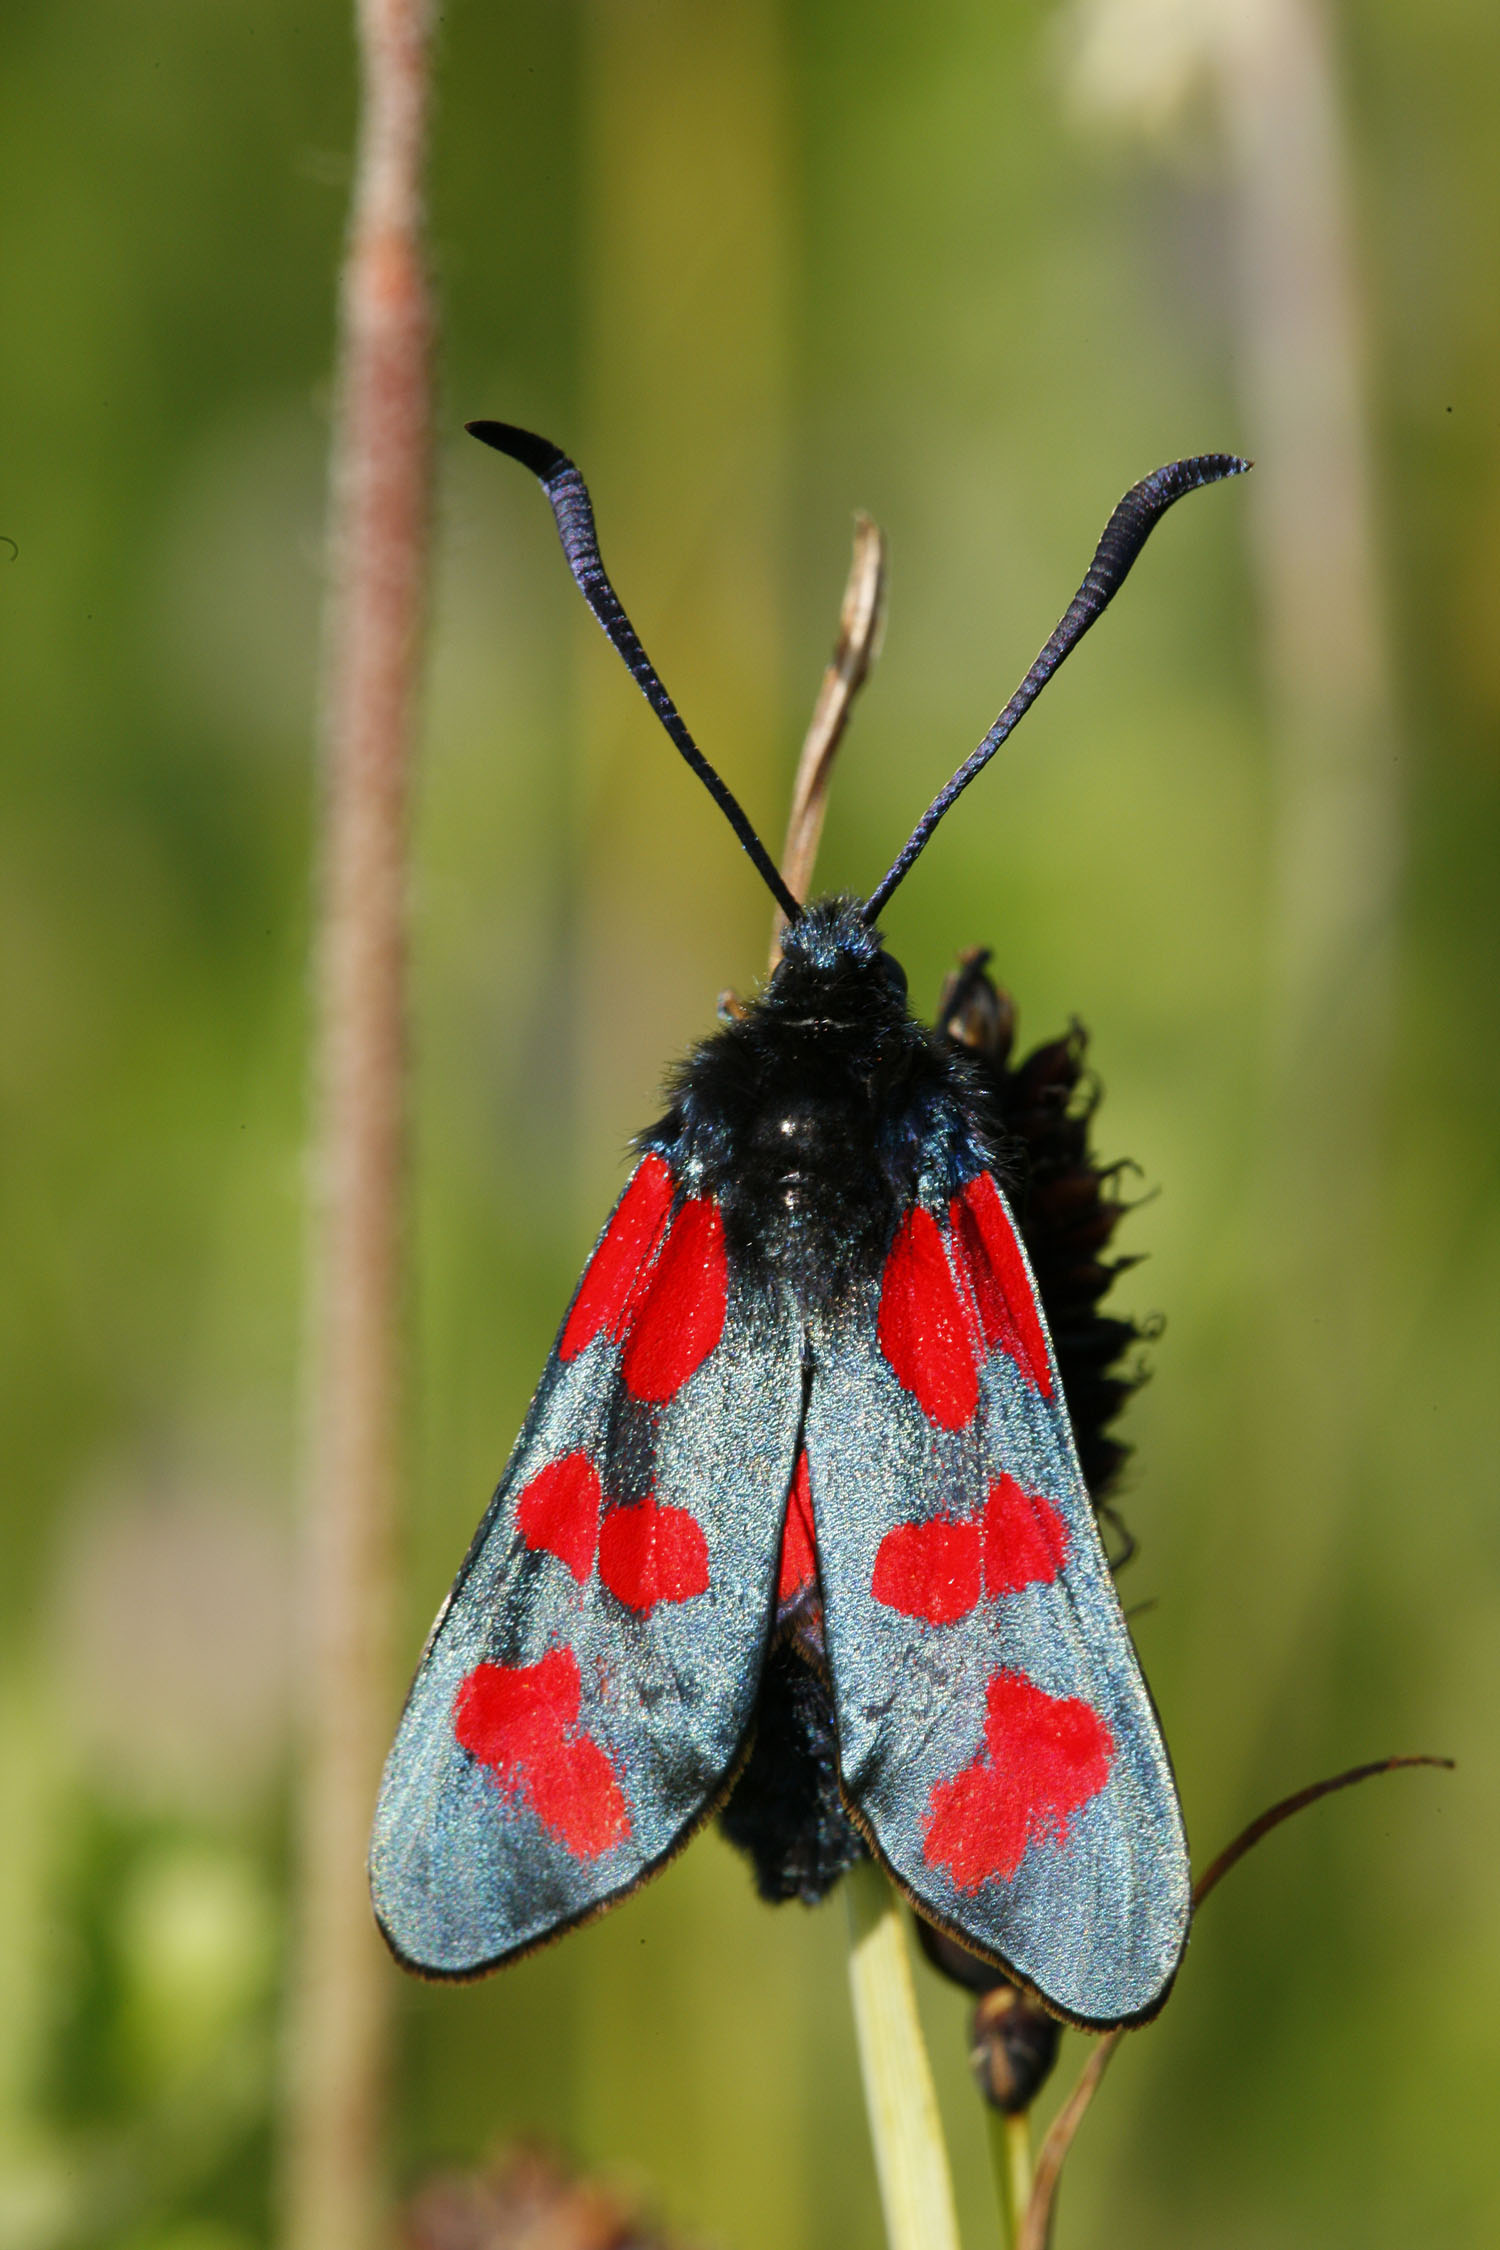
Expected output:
(911, 2158)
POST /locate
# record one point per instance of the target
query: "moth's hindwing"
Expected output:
(592, 1675)
(996, 1738)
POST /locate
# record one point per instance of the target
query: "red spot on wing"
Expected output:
(929, 1570)
(1044, 1757)
(681, 1316)
(650, 1554)
(558, 1512)
(617, 1266)
(973, 1262)
(799, 1540)
(921, 1326)
(522, 1722)
(985, 1243)
(1025, 1539)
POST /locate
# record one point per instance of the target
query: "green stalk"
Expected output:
(911, 2157)
(1010, 2155)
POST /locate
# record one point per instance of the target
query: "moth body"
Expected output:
(819, 1114)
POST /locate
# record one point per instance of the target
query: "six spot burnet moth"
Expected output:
(803, 1404)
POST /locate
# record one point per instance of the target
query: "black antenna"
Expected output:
(1125, 535)
(574, 511)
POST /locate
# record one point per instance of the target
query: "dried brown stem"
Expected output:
(860, 622)
(1249, 1837)
(1036, 2226)
(378, 561)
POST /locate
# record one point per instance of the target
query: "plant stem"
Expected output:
(861, 620)
(1010, 2154)
(1036, 2223)
(378, 559)
(911, 2158)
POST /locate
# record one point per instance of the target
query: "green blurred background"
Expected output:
(974, 268)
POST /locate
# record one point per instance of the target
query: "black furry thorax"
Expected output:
(823, 1111)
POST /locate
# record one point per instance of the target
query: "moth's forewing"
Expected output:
(591, 1678)
(996, 1738)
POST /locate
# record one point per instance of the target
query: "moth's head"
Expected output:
(834, 969)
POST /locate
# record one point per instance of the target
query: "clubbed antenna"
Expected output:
(574, 511)
(1124, 536)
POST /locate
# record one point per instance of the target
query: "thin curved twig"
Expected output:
(1249, 1837)
(1036, 2225)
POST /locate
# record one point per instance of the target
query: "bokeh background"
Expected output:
(974, 268)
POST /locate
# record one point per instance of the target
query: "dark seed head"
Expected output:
(974, 1013)
(1013, 2040)
(1067, 1207)
(1013, 2047)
